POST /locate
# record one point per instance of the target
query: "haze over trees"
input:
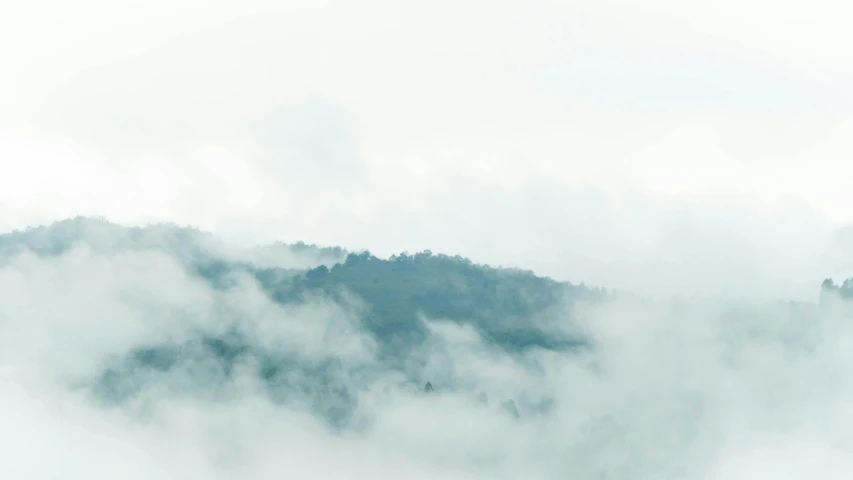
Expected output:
(348, 339)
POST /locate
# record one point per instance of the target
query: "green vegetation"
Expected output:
(513, 310)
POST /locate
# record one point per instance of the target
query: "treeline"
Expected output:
(509, 307)
(830, 292)
(512, 309)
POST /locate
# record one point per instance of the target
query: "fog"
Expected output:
(668, 389)
(677, 170)
(628, 144)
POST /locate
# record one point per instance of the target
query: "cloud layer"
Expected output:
(701, 389)
(694, 154)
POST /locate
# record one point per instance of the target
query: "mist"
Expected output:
(129, 359)
(456, 240)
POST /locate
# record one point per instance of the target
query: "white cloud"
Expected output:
(663, 147)
(334, 123)
(698, 389)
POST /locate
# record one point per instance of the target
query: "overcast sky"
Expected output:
(666, 147)
(656, 145)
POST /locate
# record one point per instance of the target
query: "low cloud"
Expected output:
(666, 389)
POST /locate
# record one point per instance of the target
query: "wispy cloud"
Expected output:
(699, 389)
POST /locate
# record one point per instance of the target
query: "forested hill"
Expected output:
(510, 307)
(394, 302)
(393, 299)
(191, 247)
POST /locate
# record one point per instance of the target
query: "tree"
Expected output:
(317, 273)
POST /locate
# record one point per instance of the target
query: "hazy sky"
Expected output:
(617, 142)
(661, 146)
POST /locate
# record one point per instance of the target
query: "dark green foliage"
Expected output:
(829, 291)
(511, 308)
(317, 273)
(126, 377)
(207, 366)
